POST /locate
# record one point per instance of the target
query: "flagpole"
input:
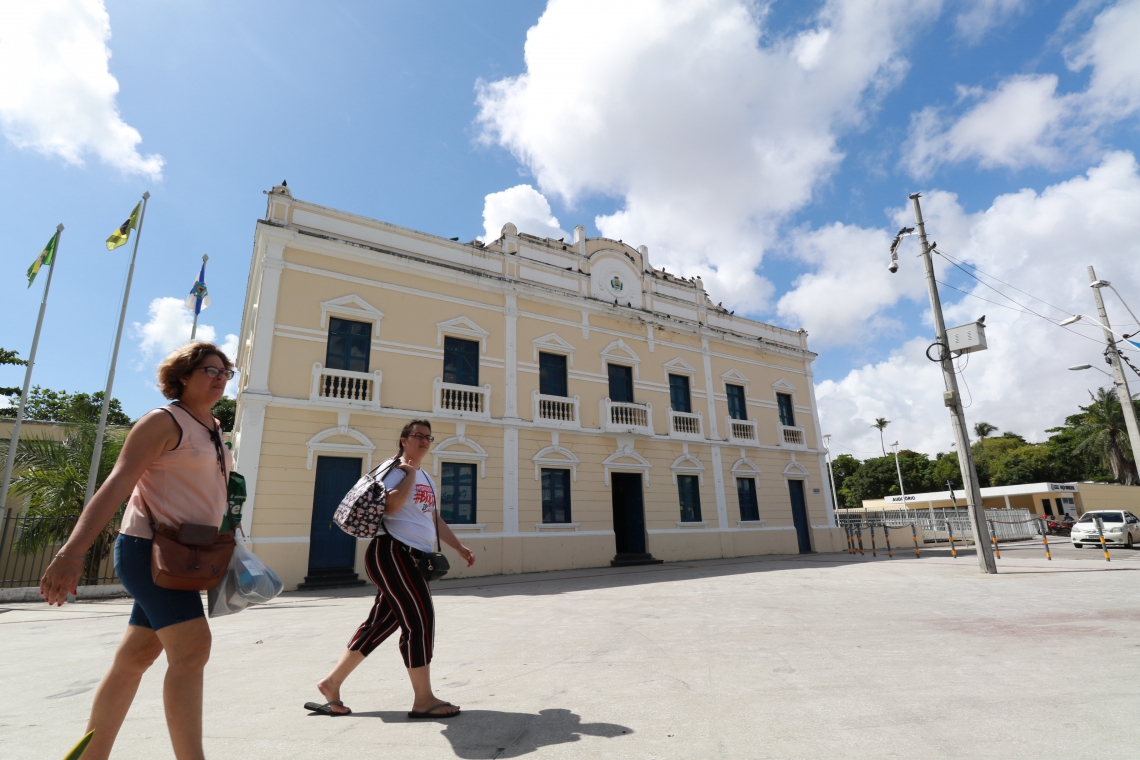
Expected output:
(97, 452)
(14, 441)
(198, 310)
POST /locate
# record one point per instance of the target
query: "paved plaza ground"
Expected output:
(820, 656)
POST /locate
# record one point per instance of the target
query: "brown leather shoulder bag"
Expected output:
(192, 557)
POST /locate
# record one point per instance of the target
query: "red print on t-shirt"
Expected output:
(424, 495)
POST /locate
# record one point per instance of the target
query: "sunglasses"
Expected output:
(214, 372)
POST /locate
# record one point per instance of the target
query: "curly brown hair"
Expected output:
(182, 361)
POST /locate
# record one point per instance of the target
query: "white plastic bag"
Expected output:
(256, 582)
(247, 581)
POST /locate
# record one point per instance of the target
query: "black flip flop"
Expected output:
(326, 708)
(429, 715)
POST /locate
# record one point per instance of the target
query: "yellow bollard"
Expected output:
(994, 541)
(887, 538)
(914, 535)
(1103, 546)
(1045, 540)
(950, 531)
(850, 540)
(859, 535)
(873, 552)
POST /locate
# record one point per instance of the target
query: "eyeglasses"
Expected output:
(213, 372)
(422, 437)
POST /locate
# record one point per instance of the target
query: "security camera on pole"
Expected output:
(965, 339)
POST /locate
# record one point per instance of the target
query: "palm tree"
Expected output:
(52, 474)
(881, 423)
(983, 429)
(1101, 433)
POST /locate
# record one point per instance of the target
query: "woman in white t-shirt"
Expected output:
(403, 598)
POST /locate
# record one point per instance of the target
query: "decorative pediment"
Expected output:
(795, 470)
(736, 377)
(460, 448)
(462, 327)
(745, 467)
(679, 366)
(687, 464)
(626, 459)
(551, 343)
(620, 351)
(320, 442)
(555, 456)
(783, 386)
(353, 307)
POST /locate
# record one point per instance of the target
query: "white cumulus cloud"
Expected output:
(979, 16)
(57, 94)
(524, 207)
(1024, 121)
(707, 128)
(168, 327)
(1041, 243)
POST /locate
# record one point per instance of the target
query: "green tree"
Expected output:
(843, 467)
(944, 468)
(983, 429)
(47, 405)
(1100, 431)
(878, 477)
(10, 357)
(52, 474)
(880, 424)
(225, 410)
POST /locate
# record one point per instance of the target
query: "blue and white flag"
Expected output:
(198, 298)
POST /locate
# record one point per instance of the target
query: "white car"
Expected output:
(1120, 529)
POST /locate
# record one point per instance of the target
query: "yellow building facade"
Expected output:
(588, 408)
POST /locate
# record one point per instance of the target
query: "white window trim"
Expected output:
(610, 356)
(544, 459)
(552, 343)
(745, 468)
(679, 366)
(444, 451)
(354, 307)
(461, 327)
(735, 377)
(364, 448)
(687, 464)
(782, 386)
(610, 463)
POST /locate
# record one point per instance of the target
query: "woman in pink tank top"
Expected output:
(173, 469)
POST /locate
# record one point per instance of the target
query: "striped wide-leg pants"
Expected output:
(403, 601)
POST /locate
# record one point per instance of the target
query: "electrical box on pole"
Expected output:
(967, 338)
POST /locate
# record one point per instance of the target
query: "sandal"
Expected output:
(326, 708)
(429, 713)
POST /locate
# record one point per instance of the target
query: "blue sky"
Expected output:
(768, 147)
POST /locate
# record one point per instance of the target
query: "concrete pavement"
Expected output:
(772, 657)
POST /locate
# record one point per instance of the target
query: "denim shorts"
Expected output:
(155, 607)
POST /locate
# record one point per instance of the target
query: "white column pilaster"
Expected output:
(512, 370)
(718, 481)
(710, 390)
(273, 263)
(510, 479)
(824, 479)
(250, 430)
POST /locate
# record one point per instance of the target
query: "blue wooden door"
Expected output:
(799, 515)
(329, 546)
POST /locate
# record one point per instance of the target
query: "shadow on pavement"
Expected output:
(477, 734)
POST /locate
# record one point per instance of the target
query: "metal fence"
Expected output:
(27, 545)
(1006, 524)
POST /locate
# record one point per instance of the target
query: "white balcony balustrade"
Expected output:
(792, 437)
(467, 401)
(686, 425)
(622, 417)
(556, 411)
(343, 387)
(742, 432)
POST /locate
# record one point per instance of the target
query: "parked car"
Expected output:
(1120, 529)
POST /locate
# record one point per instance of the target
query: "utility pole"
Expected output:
(953, 401)
(902, 488)
(831, 473)
(1122, 391)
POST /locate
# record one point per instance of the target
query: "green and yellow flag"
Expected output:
(120, 236)
(44, 259)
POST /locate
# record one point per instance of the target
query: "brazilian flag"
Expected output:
(120, 236)
(44, 259)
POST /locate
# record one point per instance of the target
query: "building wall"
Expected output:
(416, 289)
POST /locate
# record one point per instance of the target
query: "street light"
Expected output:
(1078, 317)
(1107, 284)
(1079, 367)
